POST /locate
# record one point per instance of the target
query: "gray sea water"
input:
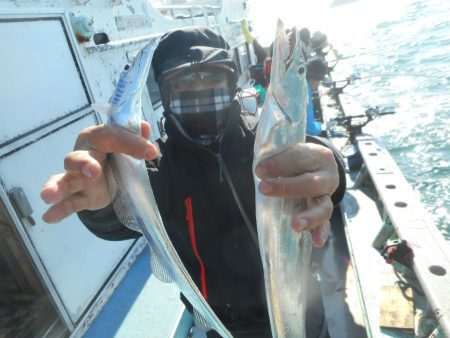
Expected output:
(401, 51)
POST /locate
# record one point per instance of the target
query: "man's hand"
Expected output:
(83, 184)
(303, 171)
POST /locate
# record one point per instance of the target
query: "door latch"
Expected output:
(21, 204)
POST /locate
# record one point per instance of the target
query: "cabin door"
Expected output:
(49, 274)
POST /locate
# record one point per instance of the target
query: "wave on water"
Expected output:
(401, 55)
(411, 74)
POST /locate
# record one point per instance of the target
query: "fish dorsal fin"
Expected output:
(121, 203)
(125, 212)
(200, 322)
(278, 71)
(158, 269)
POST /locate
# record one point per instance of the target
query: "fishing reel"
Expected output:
(334, 89)
(353, 124)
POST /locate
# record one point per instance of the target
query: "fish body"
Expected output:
(133, 199)
(285, 253)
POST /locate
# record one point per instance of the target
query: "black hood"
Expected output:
(183, 48)
(190, 48)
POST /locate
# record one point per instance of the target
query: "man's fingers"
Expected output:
(50, 191)
(94, 143)
(304, 185)
(111, 139)
(304, 170)
(83, 185)
(60, 186)
(320, 234)
(72, 192)
(63, 209)
(318, 212)
(85, 163)
(300, 158)
(145, 130)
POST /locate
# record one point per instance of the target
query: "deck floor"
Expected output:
(142, 306)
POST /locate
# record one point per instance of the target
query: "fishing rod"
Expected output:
(354, 77)
(340, 57)
(382, 75)
(355, 128)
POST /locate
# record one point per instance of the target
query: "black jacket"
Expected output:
(201, 215)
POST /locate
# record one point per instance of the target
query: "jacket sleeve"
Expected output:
(104, 223)
(338, 195)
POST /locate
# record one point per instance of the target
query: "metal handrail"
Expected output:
(431, 263)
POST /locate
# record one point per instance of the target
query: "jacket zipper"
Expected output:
(223, 172)
(248, 223)
(191, 225)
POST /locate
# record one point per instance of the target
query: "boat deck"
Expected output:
(142, 306)
(379, 198)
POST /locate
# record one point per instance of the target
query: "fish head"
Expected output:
(288, 73)
(126, 101)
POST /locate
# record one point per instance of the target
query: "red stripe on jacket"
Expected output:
(190, 220)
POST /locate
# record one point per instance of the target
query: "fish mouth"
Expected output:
(292, 41)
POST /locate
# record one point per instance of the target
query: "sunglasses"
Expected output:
(189, 79)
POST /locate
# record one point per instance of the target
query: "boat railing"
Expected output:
(408, 222)
(404, 227)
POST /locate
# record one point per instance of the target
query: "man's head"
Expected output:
(316, 69)
(305, 36)
(197, 79)
(319, 41)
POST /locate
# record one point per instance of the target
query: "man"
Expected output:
(316, 71)
(203, 182)
(305, 36)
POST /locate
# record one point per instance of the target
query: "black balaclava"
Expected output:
(201, 113)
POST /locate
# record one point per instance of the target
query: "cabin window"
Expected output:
(153, 88)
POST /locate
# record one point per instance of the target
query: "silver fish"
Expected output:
(285, 254)
(133, 198)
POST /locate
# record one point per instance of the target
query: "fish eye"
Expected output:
(127, 66)
(301, 70)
